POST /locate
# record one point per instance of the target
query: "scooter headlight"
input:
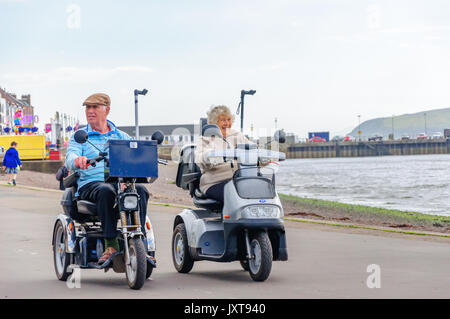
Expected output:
(130, 202)
(261, 211)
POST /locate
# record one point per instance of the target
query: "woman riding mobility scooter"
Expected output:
(248, 226)
(77, 236)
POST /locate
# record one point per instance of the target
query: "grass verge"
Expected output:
(360, 211)
(368, 228)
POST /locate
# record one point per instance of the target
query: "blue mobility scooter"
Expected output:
(247, 227)
(78, 237)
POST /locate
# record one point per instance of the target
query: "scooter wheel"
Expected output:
(137, 269)
(261, 250)
(182, 260)
(61, 259)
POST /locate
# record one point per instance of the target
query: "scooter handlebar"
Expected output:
(93, 161)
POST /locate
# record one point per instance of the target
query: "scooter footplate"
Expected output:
(105, 264)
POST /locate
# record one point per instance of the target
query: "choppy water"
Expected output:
(413, 183)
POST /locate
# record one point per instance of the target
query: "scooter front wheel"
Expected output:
(260, 264)
(136, 269)
(61, 259)
(182, 260)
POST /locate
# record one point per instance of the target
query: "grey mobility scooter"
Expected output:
(248, 227)
(77, 234)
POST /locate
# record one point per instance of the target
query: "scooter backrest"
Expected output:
(68, 202)
(186, 166)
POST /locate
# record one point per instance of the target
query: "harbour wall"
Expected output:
(363, 148)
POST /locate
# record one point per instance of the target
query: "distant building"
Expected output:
(263, 140)
(173, 134)
(9, 104)
(291, 139)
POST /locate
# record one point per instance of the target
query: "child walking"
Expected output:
(10, 163)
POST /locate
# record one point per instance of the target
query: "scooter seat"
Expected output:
(198, 193)
(86, 207)
(202, 201)
(207, 203)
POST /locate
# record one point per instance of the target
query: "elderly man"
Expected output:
(91, 184)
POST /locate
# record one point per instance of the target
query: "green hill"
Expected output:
(427, 122)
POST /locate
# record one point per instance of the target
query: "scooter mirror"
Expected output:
(158, 136)
(211, 130)
(80, 136)
(280, 136)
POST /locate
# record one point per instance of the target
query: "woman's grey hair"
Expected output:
(215, 111)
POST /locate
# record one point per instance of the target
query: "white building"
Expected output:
(6, 114)
(173, 134)
(9, 104)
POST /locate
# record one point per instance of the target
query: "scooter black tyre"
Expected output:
(61, 263)
(260, 267)
(136, 277)
(182, 260)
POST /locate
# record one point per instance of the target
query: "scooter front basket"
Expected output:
(132, 160)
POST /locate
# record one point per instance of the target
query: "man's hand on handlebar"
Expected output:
(81, 162)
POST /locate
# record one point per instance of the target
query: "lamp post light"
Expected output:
(136, 93)
(241, 106)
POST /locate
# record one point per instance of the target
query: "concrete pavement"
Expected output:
(324, 262)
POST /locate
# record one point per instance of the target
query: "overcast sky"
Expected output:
(315, 64)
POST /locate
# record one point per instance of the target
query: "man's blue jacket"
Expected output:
(92, 174)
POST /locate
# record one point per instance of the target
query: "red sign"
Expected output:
(48, 128)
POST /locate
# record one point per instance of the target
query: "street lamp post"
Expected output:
(241, 106)
(136, 93)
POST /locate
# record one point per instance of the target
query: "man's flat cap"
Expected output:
(98, 98)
